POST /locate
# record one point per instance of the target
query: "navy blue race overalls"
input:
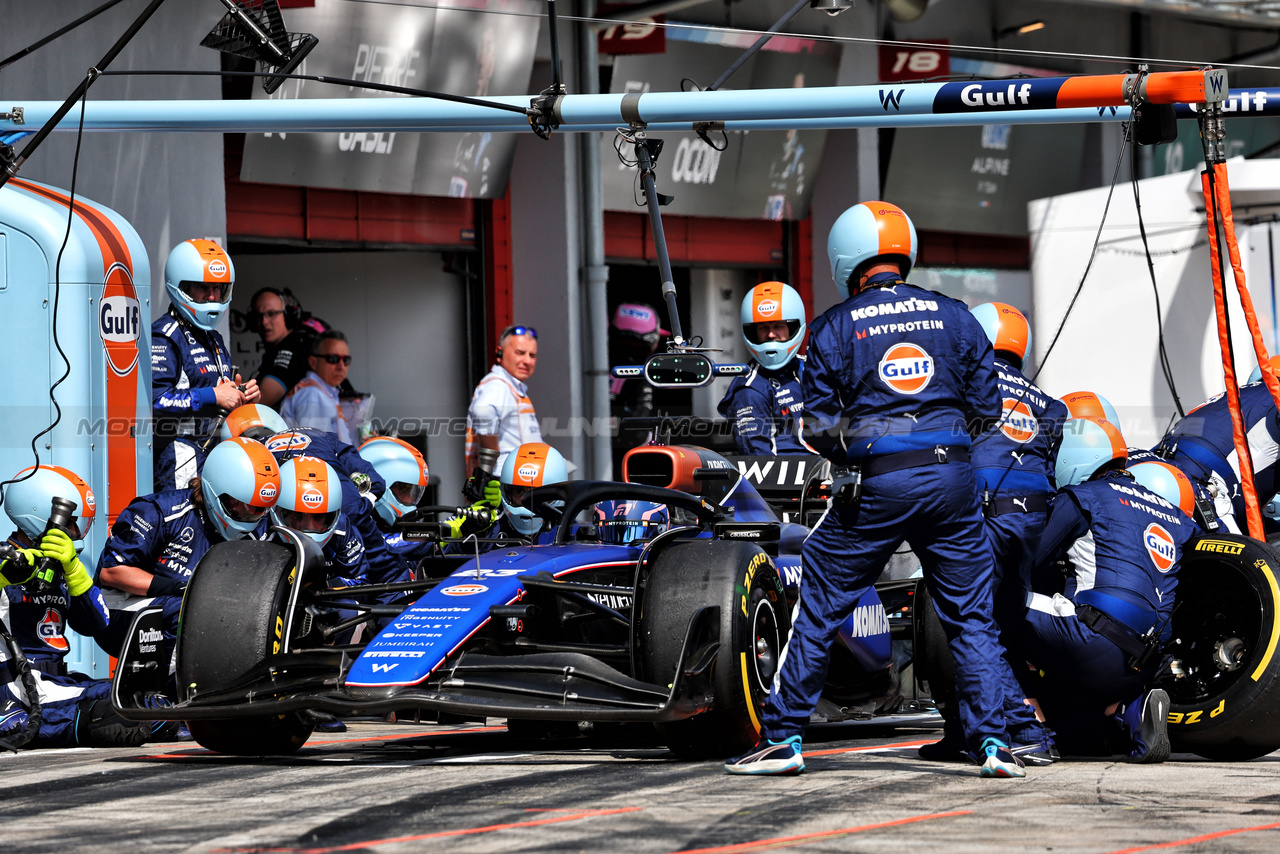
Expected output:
(186, 363)
(765, 408)
(905, 376)
(1012, 463)
(1123, 545)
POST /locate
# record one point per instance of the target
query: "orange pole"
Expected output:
(1253, 513)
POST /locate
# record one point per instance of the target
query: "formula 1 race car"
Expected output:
(684, 630)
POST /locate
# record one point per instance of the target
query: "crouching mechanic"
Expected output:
(191, 372)
(158, 539)
(903, 393)
(75, 710)
(404, 469)
(765, 406)
(528, 467)
(1012, 462)
(1092, 634)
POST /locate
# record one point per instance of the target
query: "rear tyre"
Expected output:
(934, 663)
(232, 621)
(1225, 696)
(753, 626)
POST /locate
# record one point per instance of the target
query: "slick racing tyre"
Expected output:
(753, 624)
(1222, 682)
(934, 663)
(233, 620)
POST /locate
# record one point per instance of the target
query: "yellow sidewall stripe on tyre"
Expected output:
(746, 691)
(1265, 568)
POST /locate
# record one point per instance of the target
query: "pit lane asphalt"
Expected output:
(393, 788)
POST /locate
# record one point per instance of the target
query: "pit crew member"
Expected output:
(501, 415)
(288, 344)
(1093, 628)
(1201, 445)
(158, 539)
(191, 372)
(903, 376)
(765, 405)
(1012, 463)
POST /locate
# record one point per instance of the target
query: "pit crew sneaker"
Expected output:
(769, 757)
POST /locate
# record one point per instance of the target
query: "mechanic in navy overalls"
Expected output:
(1201, 445)
(380, 564)
(1093, 634)
(158, 539)
(75, 708)
(765, 406)
(1012, 463)
(903, 375)
(191, 373)
(529, 466)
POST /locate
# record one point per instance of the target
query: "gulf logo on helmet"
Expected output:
(531, 464)
(311, 498)
(268, 492)
(766, 301)
(50, 631)
(464, 590)
(906, 368)
(1160, 546)
(1018, 422)
(216, 265)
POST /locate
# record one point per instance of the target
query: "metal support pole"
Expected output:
(645, 159)
(759, 43)
(594, 269)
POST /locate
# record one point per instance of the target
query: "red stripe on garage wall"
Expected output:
(342, 216)
(697, 240)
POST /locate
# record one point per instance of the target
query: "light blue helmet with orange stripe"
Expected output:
(1088, 444)
(199, 278)
(870, 230)
(529, 466)
(767, 303)
(1168, 482)
(1006, 327)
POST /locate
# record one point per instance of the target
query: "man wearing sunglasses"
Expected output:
(501, 416)
(316, 401)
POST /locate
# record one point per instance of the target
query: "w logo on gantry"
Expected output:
(890, 98)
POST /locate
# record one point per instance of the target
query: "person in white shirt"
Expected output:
(501, 416)
(315, 402)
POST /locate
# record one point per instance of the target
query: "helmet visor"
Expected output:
(407, 493)
(762, 333)
(307, 523)
(239, 511)
(207, 292)
(513, 495)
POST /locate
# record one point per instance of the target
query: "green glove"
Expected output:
(17, 566)
(57, 545)
(492, 496)
(478, 517)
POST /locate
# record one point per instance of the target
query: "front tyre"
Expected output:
(1223, 682)
(232, 621)
(754, 622)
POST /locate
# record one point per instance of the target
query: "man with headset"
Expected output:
(287, 340)
(501, 417)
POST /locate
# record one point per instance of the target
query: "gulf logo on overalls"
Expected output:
(1159, 545)
(1018, 422)
(906, 368)
(50, 630)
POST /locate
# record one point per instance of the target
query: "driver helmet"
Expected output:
(310, 498)
(29, 501)
(531, 465)
(769, 303)
(1168, 482)
(867, 231)
(401, 465)
(255, 421)
(199, 278)
(1006, 327)
(1087, 404)
(624, 522)
(1256, 376)
(640, 322)
(1088, 444)
(240, 482)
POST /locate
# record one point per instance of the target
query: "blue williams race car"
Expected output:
(683, 630)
